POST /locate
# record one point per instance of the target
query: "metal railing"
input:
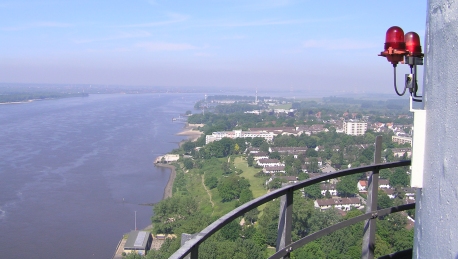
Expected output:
(286, 246)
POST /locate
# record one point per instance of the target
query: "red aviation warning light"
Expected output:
(412, 41)
(407, 50)
(395, 46)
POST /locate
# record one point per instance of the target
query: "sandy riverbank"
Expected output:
(191, 132)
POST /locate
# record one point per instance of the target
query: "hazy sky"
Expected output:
(287, 44)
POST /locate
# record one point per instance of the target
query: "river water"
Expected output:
(74, 171)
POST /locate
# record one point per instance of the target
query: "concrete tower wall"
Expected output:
(436, 226)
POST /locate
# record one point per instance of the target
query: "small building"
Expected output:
(295, 151)
(274, 169)
(362, 185)
(384, 183)
(168, 158)
(253, 150)
(402, 139)
(338, 203)
(318, 160)
(269, 162)
(328, 187)
(260, 155)
(399, 152)
(138, 242)
(390, 192)
(288, 179)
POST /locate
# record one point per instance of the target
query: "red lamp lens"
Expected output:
(395, 38)
(413, 43)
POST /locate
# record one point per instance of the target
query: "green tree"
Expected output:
(188, 146)
(211, 181)
(311, 153)
(133, 255)
(250, 160)
(226, 166)
(312, 165)
(275, 155)
(347, 186)
(276, 183)
(268, 221)
(236, 148)
(399, 177)
(383, 200)
(231, 231)
(311, 250)
(188, 164)
(264, 147)
(313, 191)
(231, 187)
(246, 195)
(252, 216)
(257, 141)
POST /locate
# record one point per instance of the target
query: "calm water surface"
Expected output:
(73, 171)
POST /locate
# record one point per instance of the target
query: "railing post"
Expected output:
(371, 205)
(195, 252)
(285, 221)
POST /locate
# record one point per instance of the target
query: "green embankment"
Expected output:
(215, 207)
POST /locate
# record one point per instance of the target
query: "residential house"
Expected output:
(328, 187)
(362, 185)
(269, 162)
(383, 183)
(399, 152)
(288, 179)
(409, 192)
(295, 151)
(402, 139)
(338, 203)
(260, 155)
(216, 136)
(319, 160)
(274, 169)
(253, 150)
(390, 192)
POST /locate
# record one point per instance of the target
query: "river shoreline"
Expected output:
(193, 135)
(169, 186)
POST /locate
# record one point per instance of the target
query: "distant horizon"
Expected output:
(291, 93)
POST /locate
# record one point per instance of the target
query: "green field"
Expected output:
(257, 183)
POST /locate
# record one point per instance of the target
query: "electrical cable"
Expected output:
(395, 87)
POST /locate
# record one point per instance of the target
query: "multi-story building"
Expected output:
(215, 136)
(355, 128)
(402, 139)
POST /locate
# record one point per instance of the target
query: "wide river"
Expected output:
(74, 171)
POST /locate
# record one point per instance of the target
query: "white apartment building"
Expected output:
(355, 128)
(402, 139)
(215, 136)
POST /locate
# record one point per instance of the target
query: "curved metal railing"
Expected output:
(191, 246)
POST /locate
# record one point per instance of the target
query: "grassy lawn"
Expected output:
(197, 190)
(257, 183)
(270, 251)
